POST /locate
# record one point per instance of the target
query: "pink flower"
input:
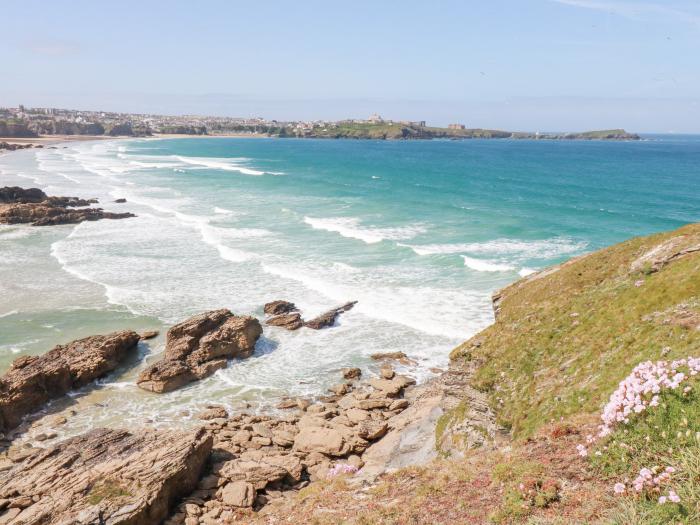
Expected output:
(619, 488)
(673, 497)
(581, 450)
(662, 500)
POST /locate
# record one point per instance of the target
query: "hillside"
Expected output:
(401, 131)
(563, 341)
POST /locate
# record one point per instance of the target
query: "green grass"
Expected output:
(562, 342)
(106, 489)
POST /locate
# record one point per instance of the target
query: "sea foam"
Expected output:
(350, 227)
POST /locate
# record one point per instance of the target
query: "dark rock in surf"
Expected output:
(328, 318)
(279, 307)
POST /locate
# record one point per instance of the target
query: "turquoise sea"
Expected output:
(419, 232)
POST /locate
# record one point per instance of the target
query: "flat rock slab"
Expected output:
(328, 318)
(31, 381)
(105, 476)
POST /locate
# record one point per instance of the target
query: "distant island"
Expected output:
(24, 122)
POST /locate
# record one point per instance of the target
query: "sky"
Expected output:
(534, 65)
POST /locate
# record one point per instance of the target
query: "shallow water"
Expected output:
(420, 233)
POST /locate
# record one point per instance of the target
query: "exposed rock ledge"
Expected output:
(32, 381)
(199, 346)
(19, 206)
(286, 315)
(104, 476)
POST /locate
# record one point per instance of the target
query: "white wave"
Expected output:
(525, 271)
(222, 211)
(7, 314)
(539, 249)
(16, 232)
(439, 312)
(226, 164)
(481, 265)
(350, 227)
(233, 255)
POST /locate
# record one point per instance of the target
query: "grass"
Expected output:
(562, 342)
(106, 489)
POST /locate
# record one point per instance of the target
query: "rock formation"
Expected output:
(284, 315)
(104, 476)
(328, 318)
(258, 459)
(199, 346)
(18, 205)
(31, 381)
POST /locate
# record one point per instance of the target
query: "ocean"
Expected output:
(420, 233)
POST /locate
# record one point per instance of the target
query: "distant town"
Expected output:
(25, 122)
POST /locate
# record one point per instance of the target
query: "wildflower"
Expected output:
(341, 468)
(662, 500)
(673, 496)
(581, 450)
(619, 488)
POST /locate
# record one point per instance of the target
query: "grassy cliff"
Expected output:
(564, 338)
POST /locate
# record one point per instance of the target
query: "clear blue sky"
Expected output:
(544, 65)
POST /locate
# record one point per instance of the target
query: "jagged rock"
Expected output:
(31, 381)
(351, 373)
(290, 321)
(386, 372)
(106, 476)
(391, 387)
(18, 205)
(120, 201)
(238, 494)
(328, 318)
(199, 346)
(279, 307)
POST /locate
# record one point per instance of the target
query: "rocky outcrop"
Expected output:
(19, 206)
(284, 315)
(258, 459)
(199, 346)
(31, 381)
(328, 318)
(104, 476)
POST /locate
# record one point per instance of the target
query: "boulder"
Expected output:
(199, 346)
(120, 201)
(279, 307)
(352, 373)
(107, 476)
(238, 494)
(328, 318)
(31, 381)
(290, 321)
(149, 334)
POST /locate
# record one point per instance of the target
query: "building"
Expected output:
(456, 126)
(375, 119)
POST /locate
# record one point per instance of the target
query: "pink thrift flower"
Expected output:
(662, 500)
(673, 497)
(619, 488)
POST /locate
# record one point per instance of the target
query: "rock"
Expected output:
(372, 430)
(18, 205)
(287, 403)
(213, 413)
(108, 476)
(395, 356)
(356, 415)
(291, 321)
(31, 381)
(339, 389)
(149, 334)
(120, 201)
(328, 319)
(399, 404)
(355, 461)
(199, 346)
(351, 373)
(279, 307)
(386, 372)
(238, 494)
